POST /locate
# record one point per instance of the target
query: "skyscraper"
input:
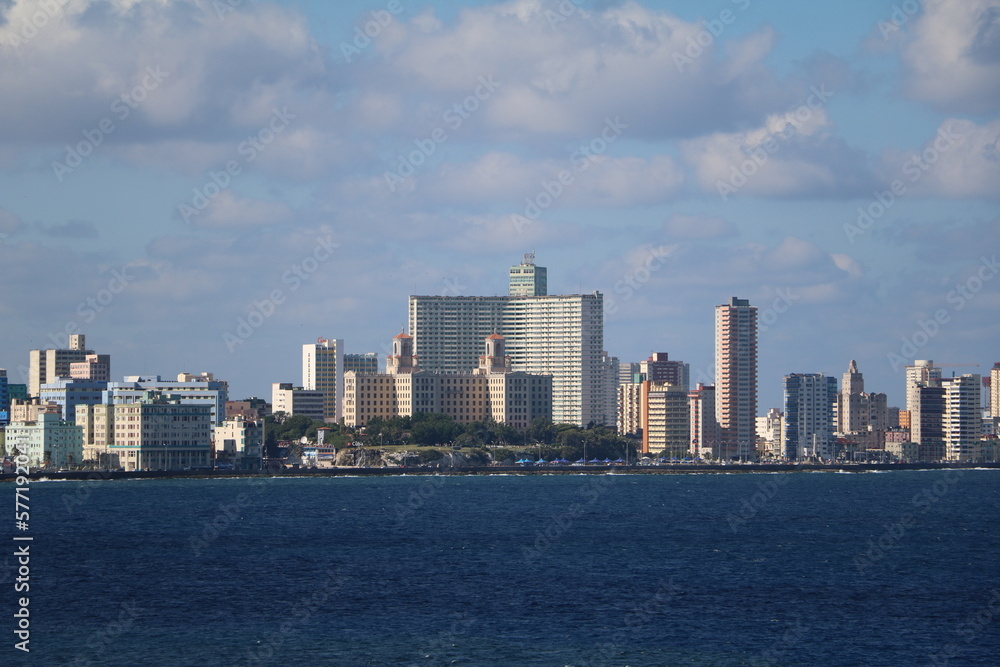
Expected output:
(862, 416)
(962, 417)
(323, 370)
(659, 368)
(558, 335)
(995, 392)
(809, 402)
(526, 279)
(922, 372)
(736, 378)
(704, 427)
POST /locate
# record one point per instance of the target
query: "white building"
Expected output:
(294, 400)
(771, 432)
(922, 372)
(200, 389)
(736, 378)
(809, 402)
(323, 370)
(962, 417)
(558, 335)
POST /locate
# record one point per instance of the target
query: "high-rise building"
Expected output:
(962, 417)
(861, 417)
(526, 279)
(361, 363)
(610, 384)
(44, 366)
(995, 391)
(67, 393)
(704, 427)
(666, 420)
(659, 368)
(927, 420)
(809, 402)
(921, 372)
(558, 335)
(630, 413)
(627, 372)
(736, 378)
(323, 370)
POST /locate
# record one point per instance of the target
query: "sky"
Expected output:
(207, 185)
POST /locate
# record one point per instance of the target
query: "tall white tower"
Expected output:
(323, 370)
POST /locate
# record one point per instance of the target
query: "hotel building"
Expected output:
(492, 391)
(44, 366)
(558, 335)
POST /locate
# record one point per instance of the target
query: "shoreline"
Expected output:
(670, 469)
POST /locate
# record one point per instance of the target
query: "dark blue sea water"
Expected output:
(899, 568)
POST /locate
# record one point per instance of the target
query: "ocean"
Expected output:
(895, 568)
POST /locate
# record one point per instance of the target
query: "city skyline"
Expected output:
(214, 203)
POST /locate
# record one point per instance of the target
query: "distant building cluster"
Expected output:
(512, 359)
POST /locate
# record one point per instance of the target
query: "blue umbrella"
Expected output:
(594, 461)
(581, 461)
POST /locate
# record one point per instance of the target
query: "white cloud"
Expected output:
(952, 60)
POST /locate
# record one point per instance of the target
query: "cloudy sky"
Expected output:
(205, 185)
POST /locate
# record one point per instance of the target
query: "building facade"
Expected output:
(239, 442)
(361, 363)
(492, 391)
(861, 417)
(704, 427)
(809, 403)
(45, 366)
(736, 378)
(48, 441)
(666, 419)
(292, 400)
(963, 417)
(323, 370)
(527, 279)
(558, 335)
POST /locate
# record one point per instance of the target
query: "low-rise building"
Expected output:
(239, 442)
(48, 441)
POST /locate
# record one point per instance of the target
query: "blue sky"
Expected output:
(257, 168)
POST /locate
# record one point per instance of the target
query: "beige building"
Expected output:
(666, 419)
(44, 366)
(630, 413)
(239, 442)
(491, 391)
(736, 378)
(95, 367)
(861, 417)
(704, 429)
